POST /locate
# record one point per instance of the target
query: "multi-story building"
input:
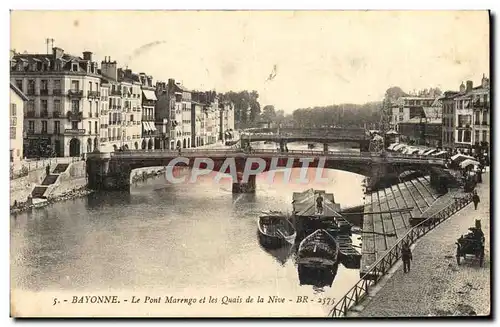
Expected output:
(467, 117)
(197, 123)
(174, 105)
(408, 107)
(17, 101)
(125, 113)
(226, 120)
(62, 114)
(149, 131)
(104, 134)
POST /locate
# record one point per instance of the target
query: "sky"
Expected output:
(321, 57)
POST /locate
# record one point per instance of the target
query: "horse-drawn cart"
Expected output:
(471, 244)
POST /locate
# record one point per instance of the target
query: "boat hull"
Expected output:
(319, 249)
(275, 232)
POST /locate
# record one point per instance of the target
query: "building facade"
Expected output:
(62, 113)
(17, 102)
(149, 131)
(408, 107)
(466, 123)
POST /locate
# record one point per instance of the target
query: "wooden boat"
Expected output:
(276, 230)
(320, 249)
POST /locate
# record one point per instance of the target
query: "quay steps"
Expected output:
(50, 179)
(60, 168)
(38, 192)
(384, 228)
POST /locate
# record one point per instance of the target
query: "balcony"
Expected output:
(103, 139)
(104, 125)
(74, 115)
(56, 92)
(93, 94)
(75, 93)
(44, 92)
(30, 92)
(116, 92)
(29, 114)
(56, 114)
(44, 113)
(74, 131)
(484, 123)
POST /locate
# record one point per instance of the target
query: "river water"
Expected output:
(183, 240)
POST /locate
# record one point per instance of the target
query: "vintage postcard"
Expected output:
(250, 164)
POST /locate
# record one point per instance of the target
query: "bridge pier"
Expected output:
(282, 145)
(104, 174)
(241, 187)
(325, 147)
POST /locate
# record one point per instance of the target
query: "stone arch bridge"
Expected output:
(111, 171)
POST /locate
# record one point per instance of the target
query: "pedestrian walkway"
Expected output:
(436, 285)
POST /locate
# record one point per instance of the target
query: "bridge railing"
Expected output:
(380, 268)
(335, 154)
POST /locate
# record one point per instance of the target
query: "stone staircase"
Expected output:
(39, 190)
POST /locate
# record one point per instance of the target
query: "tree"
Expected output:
(268, 113)
(393, 93)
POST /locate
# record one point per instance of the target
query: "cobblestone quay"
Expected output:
(436, 285)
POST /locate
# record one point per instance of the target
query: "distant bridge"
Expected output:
(317, 135)
(111, 171)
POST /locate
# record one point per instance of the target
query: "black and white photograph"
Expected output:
(250, 163)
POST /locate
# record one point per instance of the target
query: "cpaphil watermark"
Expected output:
(229, 169)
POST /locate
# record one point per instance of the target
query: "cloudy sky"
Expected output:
(322, 57)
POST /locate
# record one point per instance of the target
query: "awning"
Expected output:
(149, 95)
(152, 126)
(146, 126)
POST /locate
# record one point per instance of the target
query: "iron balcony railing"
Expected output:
(380, 268)
(75, 93)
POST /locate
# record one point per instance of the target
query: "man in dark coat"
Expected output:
(407, 257)
(475, 199)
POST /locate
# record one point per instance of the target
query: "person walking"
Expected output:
(407, 257)
(475, 199)
(47, 170)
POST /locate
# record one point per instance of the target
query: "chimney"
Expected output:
(57, 53)
(171, 82)
(469, 86)
(462, 88)
(109, 68)
(485, 82)
(87, 55)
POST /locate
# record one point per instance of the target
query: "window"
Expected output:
(45, 105)
(31, 87)
(96, 86)
(44, 85)
(75, 85)
(95, 127)
(477, 119)
(131, 117)
(75, 105)
(74, 125)
(57, 105)
(485, 136)
(57, 85)
(12, 134)
(467, 136)
(31, 126)
(44, 127)
(57, 127)
(74, 67)
(90, 127)
(90, 86)
(13, 121)
(31, 105)
(19, 84)
(90, 105)
(476, 136)
(464, 120)
(13, 110)
(18, 152)
(485, 117)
